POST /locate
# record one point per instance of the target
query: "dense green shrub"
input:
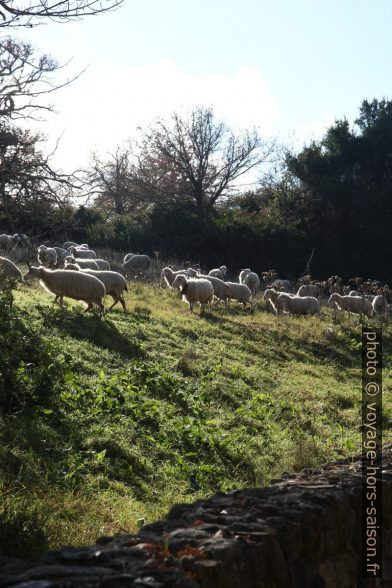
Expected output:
(30, 367)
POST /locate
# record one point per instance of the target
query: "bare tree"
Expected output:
(22, 13)
(24, 78)
(196, 158)
(111, 182)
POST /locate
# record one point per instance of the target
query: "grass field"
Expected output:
(106, 423)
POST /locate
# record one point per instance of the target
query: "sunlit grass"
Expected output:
(160, 406)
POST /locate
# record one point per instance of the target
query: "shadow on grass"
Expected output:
(99, 331)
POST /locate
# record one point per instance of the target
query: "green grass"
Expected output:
(111, 421)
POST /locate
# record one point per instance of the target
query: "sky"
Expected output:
(287, 67)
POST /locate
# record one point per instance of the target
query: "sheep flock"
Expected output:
(75, 271)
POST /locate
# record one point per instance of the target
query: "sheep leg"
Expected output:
(121, 298)
(114, 303)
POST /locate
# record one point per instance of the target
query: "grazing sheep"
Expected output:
(281, 285)
(168, 276)
(221, 289)
(71, 284)
(82, 253)
(194, 290)
(353, 304)
(102, 264)
(309, 290)
(380, 305)
(114, 283)
(271, 296)
(8, 242)
(240, 292)
(69, 244)
(47, 256)
(135, 263)
(72, 266)
(9, 270)
(299, 304)
(61, 254)
(250, 279)
(83, 263)
(192, 273)
(218, 272)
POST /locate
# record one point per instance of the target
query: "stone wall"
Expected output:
(302, 531)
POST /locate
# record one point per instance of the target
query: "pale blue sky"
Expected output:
(288, 66)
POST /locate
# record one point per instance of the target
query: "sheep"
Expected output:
(240, 292)
(218, 272)
(101, 263)
(168, 275)
(309, 290)
(9, 270)
(61, 254)
(299, 304)
(353, 304)
(273, 303)
(194, 290)
(82, 253)
(355, 293)
(282, 285)
(69, 244)
(380, 305)
(71, 284)
(8, 242)
(250, 279)
(114, 283)
(83, 263)
(135, 263)
(47, 256)
(192, 273)
(221, 289)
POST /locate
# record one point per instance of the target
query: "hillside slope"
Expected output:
(106, 423)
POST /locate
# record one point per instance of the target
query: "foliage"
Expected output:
(30, 367)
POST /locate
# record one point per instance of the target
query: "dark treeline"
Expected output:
(173, 191)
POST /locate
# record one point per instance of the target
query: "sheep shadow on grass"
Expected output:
(99, 331)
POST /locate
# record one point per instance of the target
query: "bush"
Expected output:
(30, 369)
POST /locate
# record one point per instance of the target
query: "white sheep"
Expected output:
(115, 284)
(240, 292)
(250, 279)
(8, 242)
(219, 272)
(309, 290)
(273, 304)
(9, 270)
(353, 304)
(82, 253)
(194, 290)
(69, 244)
(47, 256)
(61, 254)
(71, 284)
(102, 264)
(168, 275)
(380, 305)
(282, 285)
(299, 304)
(221, 289)
(135, 263)
(83, 263)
